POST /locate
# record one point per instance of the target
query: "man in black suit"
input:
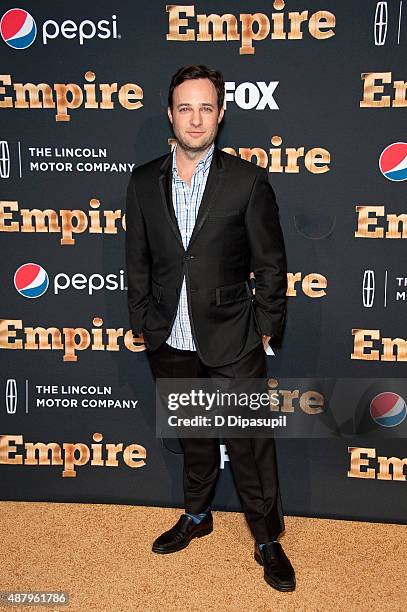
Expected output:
(199, 221)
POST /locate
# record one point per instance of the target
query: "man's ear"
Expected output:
(169, 114)
(221, 113)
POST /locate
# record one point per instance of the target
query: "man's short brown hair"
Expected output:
(198, 71)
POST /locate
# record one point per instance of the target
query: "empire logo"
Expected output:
(367, 223)
(71, 454)
(69, 96)
(312, 285)
(290, 400)
(70, 340)
(373, 84)
(65, 222)
(247, 27)
(290, 160)
(392, 349)
(314, 160)
(390, 468)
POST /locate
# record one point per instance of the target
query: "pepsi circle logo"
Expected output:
(31, 280)
(393, 161)
(18, 29)
(388, 409)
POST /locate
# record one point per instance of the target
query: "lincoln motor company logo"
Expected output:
(11, 396)
(4, 160)
(384, 17)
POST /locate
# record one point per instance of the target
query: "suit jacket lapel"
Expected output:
(165, 182)
(212, 185)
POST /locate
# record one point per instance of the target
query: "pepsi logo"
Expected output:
(18, 29)
(31, 280)
(388, 409)
(393, 161)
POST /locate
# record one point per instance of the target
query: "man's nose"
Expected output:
(196, 118)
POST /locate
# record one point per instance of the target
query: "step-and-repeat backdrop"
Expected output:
(316, 93)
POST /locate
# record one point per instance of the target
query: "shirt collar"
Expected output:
(203, 163)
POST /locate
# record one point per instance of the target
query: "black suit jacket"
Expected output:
(237, 231)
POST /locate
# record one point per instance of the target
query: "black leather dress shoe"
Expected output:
(278, 571)
(179, 536)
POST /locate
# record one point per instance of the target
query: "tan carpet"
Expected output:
(101, 555)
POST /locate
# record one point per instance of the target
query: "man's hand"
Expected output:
(265, 340)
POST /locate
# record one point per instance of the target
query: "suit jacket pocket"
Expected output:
(156, 291)
(224, 215)
(228, 294)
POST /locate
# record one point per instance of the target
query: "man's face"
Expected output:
(195, 115)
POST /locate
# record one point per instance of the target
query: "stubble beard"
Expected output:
(190, 147)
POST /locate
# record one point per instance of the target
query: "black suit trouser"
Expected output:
(253, 460)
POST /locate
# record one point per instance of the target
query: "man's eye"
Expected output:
(183, 109)
(207, 109)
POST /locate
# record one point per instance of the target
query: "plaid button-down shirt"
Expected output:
(186, 200)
